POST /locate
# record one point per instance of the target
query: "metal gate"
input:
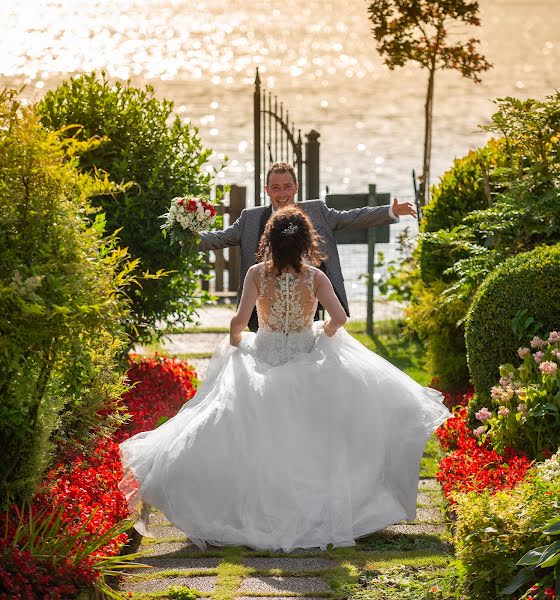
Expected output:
(275, 140)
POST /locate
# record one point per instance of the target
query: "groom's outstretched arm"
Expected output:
(359, 218)
(216, 240)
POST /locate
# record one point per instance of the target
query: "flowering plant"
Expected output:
(186, 218)
(160, 387)
(526, 402)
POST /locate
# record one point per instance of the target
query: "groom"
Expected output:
(282, 187)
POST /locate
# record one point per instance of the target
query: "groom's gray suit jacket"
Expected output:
(247, 230)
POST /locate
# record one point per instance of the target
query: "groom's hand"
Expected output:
(401, 209)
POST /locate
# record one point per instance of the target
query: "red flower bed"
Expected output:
(25, 576)
(471, 466)
(160, 387)
(87, 485)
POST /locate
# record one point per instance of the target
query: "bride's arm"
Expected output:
(245, 308)
(327, 297)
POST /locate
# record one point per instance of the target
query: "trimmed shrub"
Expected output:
(528, 283)
(61, 301)
(143, 143)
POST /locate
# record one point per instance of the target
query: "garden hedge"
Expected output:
(144, 142)
(529, 281)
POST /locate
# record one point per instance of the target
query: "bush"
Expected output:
(471, 228)
(145, 144)
(528, 283)
(438, 324)
(60, 299)
(464, 188)
(494, 531)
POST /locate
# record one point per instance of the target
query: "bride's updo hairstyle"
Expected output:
(289, 238)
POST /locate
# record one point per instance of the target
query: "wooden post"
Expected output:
(312, 165)
(257, 137)
(371, 267)
(237, 202)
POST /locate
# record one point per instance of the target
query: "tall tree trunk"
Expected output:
(428, 111)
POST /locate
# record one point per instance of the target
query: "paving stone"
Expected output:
(158, 518)
(167, 531)
(201, 584)
(164, 564)
(289, 564)
(429, 499)
(283, 584)
(168, 549)
(417, 528)
(428, 484)
(430, 515)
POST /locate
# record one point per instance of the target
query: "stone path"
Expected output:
(174, 563)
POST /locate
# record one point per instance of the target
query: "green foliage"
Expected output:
(144, 143)
(438, 320)
(421, 32)
(438, 323)
(514, 207)
(495, 531)
(537, 563)
(61, 297)
(462, 189)
(401, 272)
(530, 282)
(525, 191)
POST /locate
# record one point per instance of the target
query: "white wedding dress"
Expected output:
(294, 440)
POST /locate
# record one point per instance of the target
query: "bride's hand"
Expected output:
(329, 328)
(234, 339)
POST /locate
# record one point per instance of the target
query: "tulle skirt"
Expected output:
(319, 450)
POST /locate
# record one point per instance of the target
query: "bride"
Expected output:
(299, 436)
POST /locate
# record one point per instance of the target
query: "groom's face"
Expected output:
(281, 189)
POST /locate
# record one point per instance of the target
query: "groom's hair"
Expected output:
(281, 167)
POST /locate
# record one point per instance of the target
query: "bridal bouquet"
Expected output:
(186, 217)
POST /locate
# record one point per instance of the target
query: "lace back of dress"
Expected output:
(286, 302)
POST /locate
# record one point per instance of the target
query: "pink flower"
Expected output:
(536, 342)
(522, 408)
(554, 337)
(556, 354)
(548, 367)
(496, 393)
(538, 356)
(478, 431)
(483, 414)
(503, 411)
(523, 352)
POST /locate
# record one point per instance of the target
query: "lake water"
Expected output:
(318, 56)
